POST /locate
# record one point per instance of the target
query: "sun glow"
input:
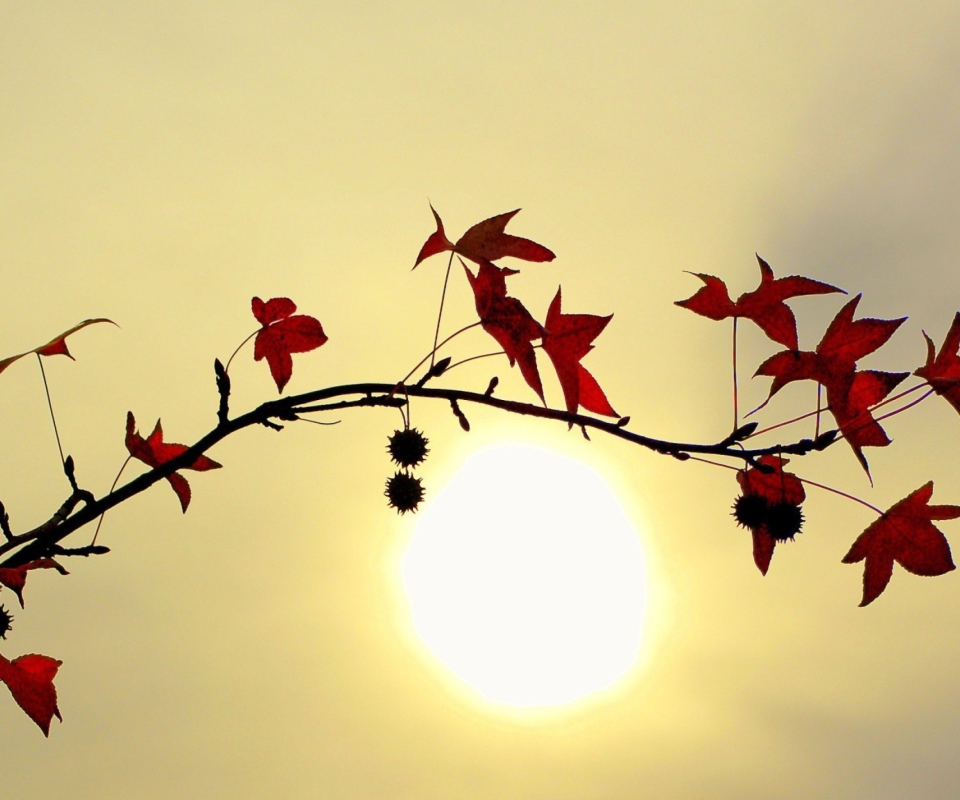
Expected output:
(526, 578)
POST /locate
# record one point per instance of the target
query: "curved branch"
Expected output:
(38, 543)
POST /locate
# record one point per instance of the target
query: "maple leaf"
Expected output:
(906, 534)
(14, 578)
(774, 487)
(567, 339)
(485, 241)
(764, 305)
(506, 320)
(30, 680)
(833, 364)
(153, 452)
(283, 334)
(942, 370)
(56, 346)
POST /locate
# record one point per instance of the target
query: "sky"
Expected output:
(162, 163)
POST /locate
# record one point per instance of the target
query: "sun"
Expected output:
(525, 577)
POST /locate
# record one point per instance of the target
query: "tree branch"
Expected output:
(42, 540)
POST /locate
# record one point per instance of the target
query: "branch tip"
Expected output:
(458, 413)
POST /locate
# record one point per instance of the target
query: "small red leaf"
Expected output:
(14, 578)
(56, 346)
(436, 243)
(711, 301)
(506, 320)
(485, 241)
(764, 305)
(153, 452)
(30, 681)
(774, 487)
(905, 534)
(567, 339)
(943, 371)
(763, 546)
(283, 334)
(834, 366)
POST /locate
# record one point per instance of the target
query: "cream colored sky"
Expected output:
(161, 163)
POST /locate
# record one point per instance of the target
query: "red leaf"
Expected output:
(846, 340)
(56, 346)
(905, 534)
(485, 241)
(764, 305)
(763, 546)
(943, 371)
(436, 243)
(833, 365)
(283, 334)
(567, 339)
(774, 487)
(153, 452)
(852, 411)
(506, 320)
(30, 681)
(14, 578)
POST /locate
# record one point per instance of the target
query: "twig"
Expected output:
(38, 542)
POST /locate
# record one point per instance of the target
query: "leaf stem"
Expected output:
(920, 399)
(820, 410)
(816, 428)
(53, 417)
(842, 494)
(226, 369)
(802, 480)
(436, 347)
(443, 297)
(736, 410)
(113, 486)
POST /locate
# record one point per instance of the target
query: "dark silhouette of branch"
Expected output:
(44, 540)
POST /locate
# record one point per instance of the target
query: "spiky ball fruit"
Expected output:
(6, 620)
(784, 521)
(751, 510)
(408, 447)
(404, 492)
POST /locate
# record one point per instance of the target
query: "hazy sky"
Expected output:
(162, 163)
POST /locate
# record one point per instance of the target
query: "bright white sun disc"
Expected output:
(526, 578)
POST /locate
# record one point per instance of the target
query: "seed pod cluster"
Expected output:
(782, 520)
(408, 449)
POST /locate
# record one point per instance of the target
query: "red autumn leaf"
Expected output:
(942, 370)
(905, 534)
(567, 339)
(506, 320)
(30, 681)
(153, 452)
(849, 393)
(764, 305)
(774, 487)
(283, 334)
(56, 346)
(14, 578)
(485, 241)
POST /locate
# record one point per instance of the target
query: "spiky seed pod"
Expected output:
(6, 620)
(784, 521)
(751, 510)
(408, 447)
(404, 492)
